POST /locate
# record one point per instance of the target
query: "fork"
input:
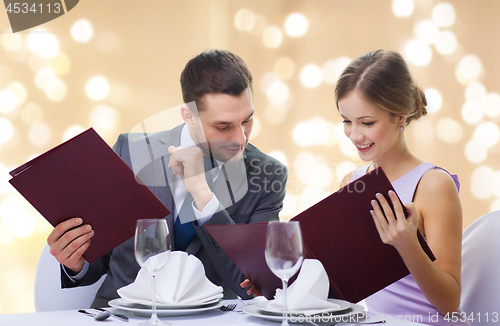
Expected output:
(229, 307)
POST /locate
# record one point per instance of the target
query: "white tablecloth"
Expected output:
(210, 318)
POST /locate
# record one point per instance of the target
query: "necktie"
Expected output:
(184, 232)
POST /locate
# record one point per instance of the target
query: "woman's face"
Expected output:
(372, 130)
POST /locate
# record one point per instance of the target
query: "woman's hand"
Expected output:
(252, 290)
(397, 231)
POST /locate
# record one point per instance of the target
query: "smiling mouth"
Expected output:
(364, 146)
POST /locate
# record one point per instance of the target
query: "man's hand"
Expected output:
(252, 290)
(187, 162)
(68, 241)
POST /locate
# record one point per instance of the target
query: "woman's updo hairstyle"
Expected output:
(382, 77)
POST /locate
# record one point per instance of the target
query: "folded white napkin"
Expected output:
(181, 281)
(308, 293)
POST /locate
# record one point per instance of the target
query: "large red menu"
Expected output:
(339, 231)
(84, 177)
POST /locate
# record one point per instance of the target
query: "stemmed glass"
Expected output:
(151, 249)
(284, 254)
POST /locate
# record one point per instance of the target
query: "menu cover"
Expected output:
(339, 231)
(84, 177)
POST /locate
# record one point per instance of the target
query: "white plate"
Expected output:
(343, 305)
(141, 305)
(115, 303)
(353, 315)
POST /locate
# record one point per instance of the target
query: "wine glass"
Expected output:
(284, 254)
(151, 250)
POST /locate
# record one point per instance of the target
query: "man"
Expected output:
(219, 85)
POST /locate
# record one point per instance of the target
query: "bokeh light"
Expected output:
(60, 64)
(104, 118)
(296, 25)
(443, 14)
(82, 31)
(481, 185)
(72, 132)
(402, 8)
(280, 156)
(333, 69)
(257, 127)
(303, 134)
(311, 76)
(495, 205)
(245, 20)
(275, 114)
(468, 69)
(267, 79)
(39, 134)
(8, 101)
(44, 76)
(475, 91)
(289, 207)
(6, 130)
(15, 217)
(418, 52)
(427, 31)
(56, 90)
(476, 151)
(284, 67)
(31, 113)
(423, 132)
(487, 133)
(11, 41)
(449, 130)
(491, 105)
(6, 75)
(108, 41)
(446, 43)
(97, 88)
(278, 92)
(472, 112)
(272, 37)
(434, 100)
(43, 43)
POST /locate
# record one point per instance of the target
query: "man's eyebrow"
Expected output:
(221, 122)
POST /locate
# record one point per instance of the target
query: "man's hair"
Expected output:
(214, 71)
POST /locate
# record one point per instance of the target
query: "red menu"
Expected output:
(84, 177)
(339, 231)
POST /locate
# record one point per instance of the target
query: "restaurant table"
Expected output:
(208, 318)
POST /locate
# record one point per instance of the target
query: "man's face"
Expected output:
(226, 121)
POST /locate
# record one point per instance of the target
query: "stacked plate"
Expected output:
(166, 310)
(346, 312)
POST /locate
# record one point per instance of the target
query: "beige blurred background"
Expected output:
(111, 64)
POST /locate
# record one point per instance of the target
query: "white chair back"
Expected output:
(48, 293)
(481, 270)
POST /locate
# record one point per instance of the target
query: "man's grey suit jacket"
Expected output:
(148, 156)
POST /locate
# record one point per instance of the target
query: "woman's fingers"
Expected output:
(398, 209)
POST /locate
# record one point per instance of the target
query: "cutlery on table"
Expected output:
(117, 316)
(229, 307)
(99, 317)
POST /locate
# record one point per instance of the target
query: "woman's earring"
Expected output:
(402, 128)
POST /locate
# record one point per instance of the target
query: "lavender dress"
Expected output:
(403, 299)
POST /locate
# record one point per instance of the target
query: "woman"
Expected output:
(377, 98)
